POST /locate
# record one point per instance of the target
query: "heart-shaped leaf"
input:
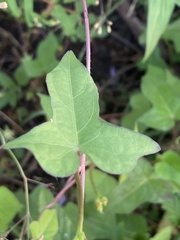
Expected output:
(76, 128)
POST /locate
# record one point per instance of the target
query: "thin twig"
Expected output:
(12, 123)
(60, 194)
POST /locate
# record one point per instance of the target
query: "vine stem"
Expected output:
(25, 180)
(88, 37)
(80, 174)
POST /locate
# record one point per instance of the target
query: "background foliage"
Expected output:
(135, 92)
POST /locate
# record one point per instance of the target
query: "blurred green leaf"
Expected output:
(9, 93)
(28, 6)
(47, 226)
(9, 207)
(40, 197)
(169, 167)
(172, 33)
(139, 105)
(135, 226)
(67, 220)
(98, 225)
(159, 13)
(67, 21)
(139, 187)
(13, 7)
(164, 234)
(46, 58)
(103, 184)
(46, 105)
(21, 76)
(172, 208)
(165, 111)
(162, 89)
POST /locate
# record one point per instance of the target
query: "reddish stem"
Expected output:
(88, 38)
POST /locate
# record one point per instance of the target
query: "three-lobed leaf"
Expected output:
(76, 128)
(161, 88)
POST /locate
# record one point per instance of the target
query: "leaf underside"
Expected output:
(77, 128)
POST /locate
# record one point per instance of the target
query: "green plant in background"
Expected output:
(71, 90)
(158, 106)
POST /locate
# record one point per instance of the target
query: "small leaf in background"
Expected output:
(40, 197)
(98, 225)
(135, 226)
(9, 207)
(28, 6)
(139, 105)
(164, 234)
(42, 64)
(162, 89)
(67, 21)
(76, 127)
(168, 167)
(103, 184)
(21, 76)
(46, 105)
(9, 93)
(67, 220)
(172, 208)
(139, 187)
(46, 226)
(172, 33)
(14, 9)
(159, 13)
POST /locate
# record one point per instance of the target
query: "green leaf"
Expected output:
(172, 33)
(157, 120)
(103, 184)
(13, 7)
(164, 234)
(76, 127)
(135, 226)
(139, 105)
(169, 167)
(6, 81)
(159, 13)
(21, 76)
(139, 187)
(67, 220)
(166, 109)
(45, 103)
(67, 21)
(29, 12)
(40, 197)
(42, 64)
(47, 225)
(98, 225)
(9, 207)
(9, 93)
(161, 88)
(172, 208)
